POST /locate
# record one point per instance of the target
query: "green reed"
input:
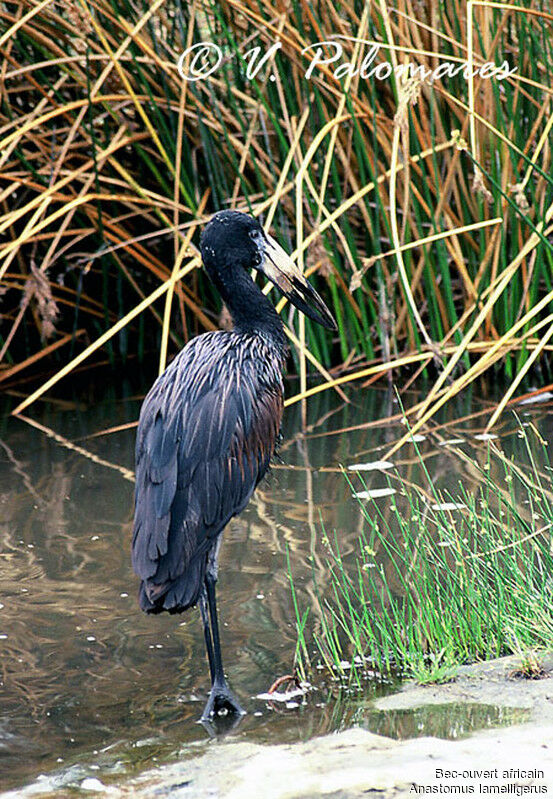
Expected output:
(431, 587)
(165, 153)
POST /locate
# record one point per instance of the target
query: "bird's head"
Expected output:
(232, 239)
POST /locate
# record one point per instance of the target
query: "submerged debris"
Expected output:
(282, 696)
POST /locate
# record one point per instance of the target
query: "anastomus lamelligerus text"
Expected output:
(208, 429)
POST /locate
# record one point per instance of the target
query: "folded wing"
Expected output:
(206, 434)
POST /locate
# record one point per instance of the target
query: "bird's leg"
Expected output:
(219, 676)
(221, 697)
(207, 632)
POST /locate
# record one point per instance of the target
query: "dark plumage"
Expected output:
(208, 428)
(207, 431)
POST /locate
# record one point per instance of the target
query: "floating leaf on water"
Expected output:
(369, 466)
(448, 506)
(374, 493)
(545, 396)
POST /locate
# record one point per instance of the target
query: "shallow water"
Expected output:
(88, 679)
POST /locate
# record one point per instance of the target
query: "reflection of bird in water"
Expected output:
(208, 429)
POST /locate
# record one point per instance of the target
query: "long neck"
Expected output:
(250, 309)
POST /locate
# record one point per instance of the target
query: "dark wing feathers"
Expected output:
(206, 434)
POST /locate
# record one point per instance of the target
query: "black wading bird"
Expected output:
(208, 428)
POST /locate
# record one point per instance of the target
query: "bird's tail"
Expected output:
(176, 595)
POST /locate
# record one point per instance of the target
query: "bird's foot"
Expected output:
(221, 702)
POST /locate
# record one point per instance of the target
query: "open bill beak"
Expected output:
(279, 268)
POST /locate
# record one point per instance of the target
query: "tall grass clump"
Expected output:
(422, 209)
(439, 580)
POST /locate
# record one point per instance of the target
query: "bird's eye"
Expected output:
(254, 234)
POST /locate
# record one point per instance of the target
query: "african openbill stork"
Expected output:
(208, 428)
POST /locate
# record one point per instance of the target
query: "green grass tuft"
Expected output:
(430, 588)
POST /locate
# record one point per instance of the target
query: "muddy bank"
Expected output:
(494, 682)
(355, 763)
(513, 761)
